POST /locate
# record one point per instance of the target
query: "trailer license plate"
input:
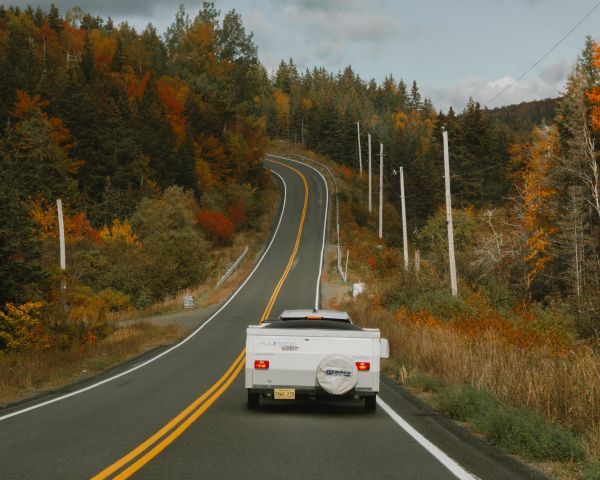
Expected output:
(285, 394)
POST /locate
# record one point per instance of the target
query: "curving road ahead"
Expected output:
(182, 414)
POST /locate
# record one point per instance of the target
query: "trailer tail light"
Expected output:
(261, 364)
(363, 366)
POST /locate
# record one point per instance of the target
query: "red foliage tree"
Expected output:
(217, 226)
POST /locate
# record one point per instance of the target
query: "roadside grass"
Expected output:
(515, 430)
(561, 385)
(591, 470)
(23, 374)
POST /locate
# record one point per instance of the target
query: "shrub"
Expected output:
(465, 404)
(216, 225)
(175, 254)
(529, 434)
(515, 430)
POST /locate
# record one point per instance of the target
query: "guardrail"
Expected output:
(233, 267)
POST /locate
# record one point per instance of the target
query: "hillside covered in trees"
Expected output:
(525, 178)
(152, 143)
(143, 135)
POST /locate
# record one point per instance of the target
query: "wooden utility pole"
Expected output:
(400, 173)
(61, 234)
(370, 190)
(359, 149)
(404, 234)
(453, 282)
(63, 262)
(381, 190)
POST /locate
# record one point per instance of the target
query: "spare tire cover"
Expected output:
(336, 374)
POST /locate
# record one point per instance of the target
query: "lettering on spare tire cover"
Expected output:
(330, 372)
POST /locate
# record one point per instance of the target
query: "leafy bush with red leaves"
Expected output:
(216, 225)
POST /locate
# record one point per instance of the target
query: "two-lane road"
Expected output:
(183, 414)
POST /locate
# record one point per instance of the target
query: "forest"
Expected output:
(153, 142)
(525, 179)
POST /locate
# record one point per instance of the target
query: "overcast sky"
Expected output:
(453, 48)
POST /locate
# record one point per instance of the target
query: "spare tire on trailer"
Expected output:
(337, 374)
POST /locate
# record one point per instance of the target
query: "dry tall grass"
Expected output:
(563, 386)
(23, 374)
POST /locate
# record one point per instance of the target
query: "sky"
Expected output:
(454, 49)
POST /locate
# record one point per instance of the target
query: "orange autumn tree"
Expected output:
(104, 47)
(173, 93)
(77, 226)
(136, 86)
(538, 193)
(594, 94)
(592, 179)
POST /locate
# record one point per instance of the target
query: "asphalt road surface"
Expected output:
(183, 415)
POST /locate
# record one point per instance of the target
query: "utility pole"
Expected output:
(449, 216)
(381, 190)
(404, 234)
(359, 149)
(63, 263)
(370, 192)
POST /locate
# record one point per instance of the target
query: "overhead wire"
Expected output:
(502, 92)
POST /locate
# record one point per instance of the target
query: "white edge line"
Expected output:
(324, 223)
(185, 340)
(445, 460)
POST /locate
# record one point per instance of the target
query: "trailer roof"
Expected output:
(315, 314)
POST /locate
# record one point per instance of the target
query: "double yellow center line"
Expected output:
(154, 445)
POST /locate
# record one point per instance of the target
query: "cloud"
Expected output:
(114, 8)
(336, 37)
(547, 84)
(335, 6)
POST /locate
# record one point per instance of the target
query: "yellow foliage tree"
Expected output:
(539, 219)
(282, 109)
(21, 327)
(119, 232)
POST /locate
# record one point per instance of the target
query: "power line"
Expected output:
(544, 56)
(467, 174)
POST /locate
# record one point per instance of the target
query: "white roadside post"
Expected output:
(400, 173)
(370, 189)
(453, 282)
(381, 190)
(359, 149)
(346, 270)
